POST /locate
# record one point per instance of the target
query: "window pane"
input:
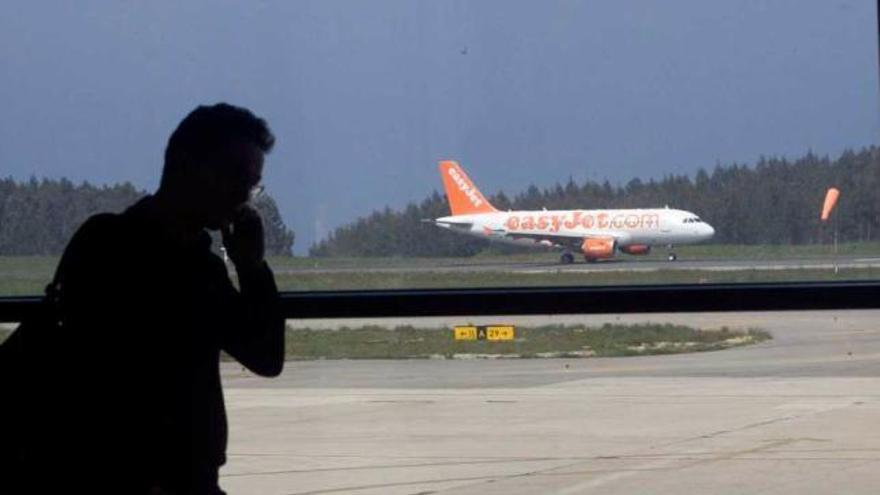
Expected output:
(456, 143)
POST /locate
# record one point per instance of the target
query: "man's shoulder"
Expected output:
(100, 227)
(103, 234)
(102, 221)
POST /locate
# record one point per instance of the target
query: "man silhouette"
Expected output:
(135, 403)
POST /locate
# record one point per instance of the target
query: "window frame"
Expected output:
(514, 301)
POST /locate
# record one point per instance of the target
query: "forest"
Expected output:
(38, 217)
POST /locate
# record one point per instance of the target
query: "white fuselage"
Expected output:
(655, 226)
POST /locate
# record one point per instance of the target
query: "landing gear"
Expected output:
(566, 258)
(671, 256)
(589, 260)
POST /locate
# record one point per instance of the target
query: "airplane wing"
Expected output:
(572, 241)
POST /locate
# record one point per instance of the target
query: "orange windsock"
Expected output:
(830, 200)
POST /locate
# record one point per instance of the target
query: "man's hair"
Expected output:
(209, 129)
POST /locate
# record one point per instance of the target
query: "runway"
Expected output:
(797, 414)
(620, 264)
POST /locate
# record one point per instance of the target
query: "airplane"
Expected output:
(598, 234)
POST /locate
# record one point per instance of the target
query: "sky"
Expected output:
(365, 96)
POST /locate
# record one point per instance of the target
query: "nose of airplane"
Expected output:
(710, 231)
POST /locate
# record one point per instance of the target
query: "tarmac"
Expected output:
(794, 415)
(619, 264)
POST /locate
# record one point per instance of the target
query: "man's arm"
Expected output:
(257, 339)
(256, 336)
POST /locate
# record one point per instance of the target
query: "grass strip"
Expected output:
(407, 342)
(463, 279)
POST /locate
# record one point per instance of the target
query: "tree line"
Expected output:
(775, 201)
(38, 217)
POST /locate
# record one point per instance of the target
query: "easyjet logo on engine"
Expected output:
(463, 186)
(580, 219)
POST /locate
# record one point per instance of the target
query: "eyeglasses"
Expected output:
(256, 191)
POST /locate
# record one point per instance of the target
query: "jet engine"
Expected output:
(598, 247)
(636, 249)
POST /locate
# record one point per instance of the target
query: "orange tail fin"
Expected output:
(464, 197)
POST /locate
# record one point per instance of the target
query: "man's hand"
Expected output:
(244, 239)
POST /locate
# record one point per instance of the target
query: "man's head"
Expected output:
(214, 160)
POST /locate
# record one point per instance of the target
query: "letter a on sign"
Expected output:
(481, 333)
